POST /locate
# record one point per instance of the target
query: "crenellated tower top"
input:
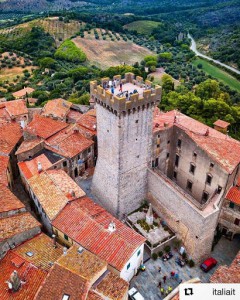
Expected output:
(125, 95)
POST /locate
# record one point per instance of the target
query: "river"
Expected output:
(193, 47)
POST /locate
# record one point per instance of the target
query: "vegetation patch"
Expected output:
(70, 52)
(142, 27)
(217, 73)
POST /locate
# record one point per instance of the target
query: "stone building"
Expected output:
(229, 222)
(124, 124)
(15, 111)
(182, 166)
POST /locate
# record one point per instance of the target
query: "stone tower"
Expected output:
(124, 126)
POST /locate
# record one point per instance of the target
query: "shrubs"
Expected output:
(160, 253)
(154, 256)
(70, 52)
(167, 249)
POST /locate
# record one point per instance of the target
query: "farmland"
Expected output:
(142, 27)
(218, 74)
(109, 49)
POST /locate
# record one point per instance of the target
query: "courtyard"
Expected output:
(147, 282)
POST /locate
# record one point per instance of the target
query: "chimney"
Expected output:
(207, 132)
(39, 167)
(15, 281)
(112, 227)
(149, 215)
(75, 130)
(64, 251)
(54, 241)
(73, 194)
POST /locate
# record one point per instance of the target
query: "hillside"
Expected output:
(142, 27)
(110, 50)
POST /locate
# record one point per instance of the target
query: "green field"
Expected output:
(142, 27)
(219, 74)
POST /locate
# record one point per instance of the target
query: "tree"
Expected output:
(167, 83)
(208, 89)
(47, 62)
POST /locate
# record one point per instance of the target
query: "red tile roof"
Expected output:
(4, 161)
(16, 107)
(58, 108)
(28, 145)
(43, 250)
(22, 93)
(44, 127)
(60, 282)
(93, 296)
(89, 122)
(10, 134)
(233, 195)
(17, 224)
(87, 224)
(225, 274)
(221, 123)
(30, 168)
(91, 112)
(69, 142)
(74, 114)
(32, 276)
(221, 148)
(8, 201)
(53, 190)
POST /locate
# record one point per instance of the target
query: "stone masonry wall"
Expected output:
(124, 150)
(195, 228)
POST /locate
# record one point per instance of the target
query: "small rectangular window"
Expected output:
(136, 121)
(158, 146)
(211, 165)
(177, 160)
(64, 163)
(231, 205)
(168, 142)
(179, 143)
(209, 179)
(205, 196)
(65, 237)
(195, 154)
(189, 185)
(175, 174)
(167, 155)
(128, 266)
(89, 150)
(192, 168)
(65, 297)
(237, 221)
(158, 135)
(139, 251)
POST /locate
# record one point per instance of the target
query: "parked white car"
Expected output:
(134, 294)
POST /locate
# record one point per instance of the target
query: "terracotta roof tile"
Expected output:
(58, 108)
(17, 224)
(92, 112)
(68, 142)
(44, 127)
(221, 148)
(113, 287)
(225, 274)
(30, 168)
(10, 134)
(28, 145)
(44, 252)
(89, 122)
(22, 93)
(93, 296)
(16, 107)
(60, 282)
(4, 161)
(89, 227)
(74, 114)
(8, 201)
(221, 123)
(233, 195)
(32, 276)
(53, 190)
(85, 264)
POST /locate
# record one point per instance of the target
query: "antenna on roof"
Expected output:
(39, 167)
(64, 250)
(112, 227)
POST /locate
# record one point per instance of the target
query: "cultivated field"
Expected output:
(110, 51)
(142, 27)
(58, 29)
(218, 74)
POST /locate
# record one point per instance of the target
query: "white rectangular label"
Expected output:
(209, 291)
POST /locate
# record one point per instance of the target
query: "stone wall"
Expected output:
(194, 227)
(124, 150)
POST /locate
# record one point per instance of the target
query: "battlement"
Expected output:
(134, 94)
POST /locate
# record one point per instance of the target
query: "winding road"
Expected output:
(193, 47)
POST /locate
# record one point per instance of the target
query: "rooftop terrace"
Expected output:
(135, 93)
